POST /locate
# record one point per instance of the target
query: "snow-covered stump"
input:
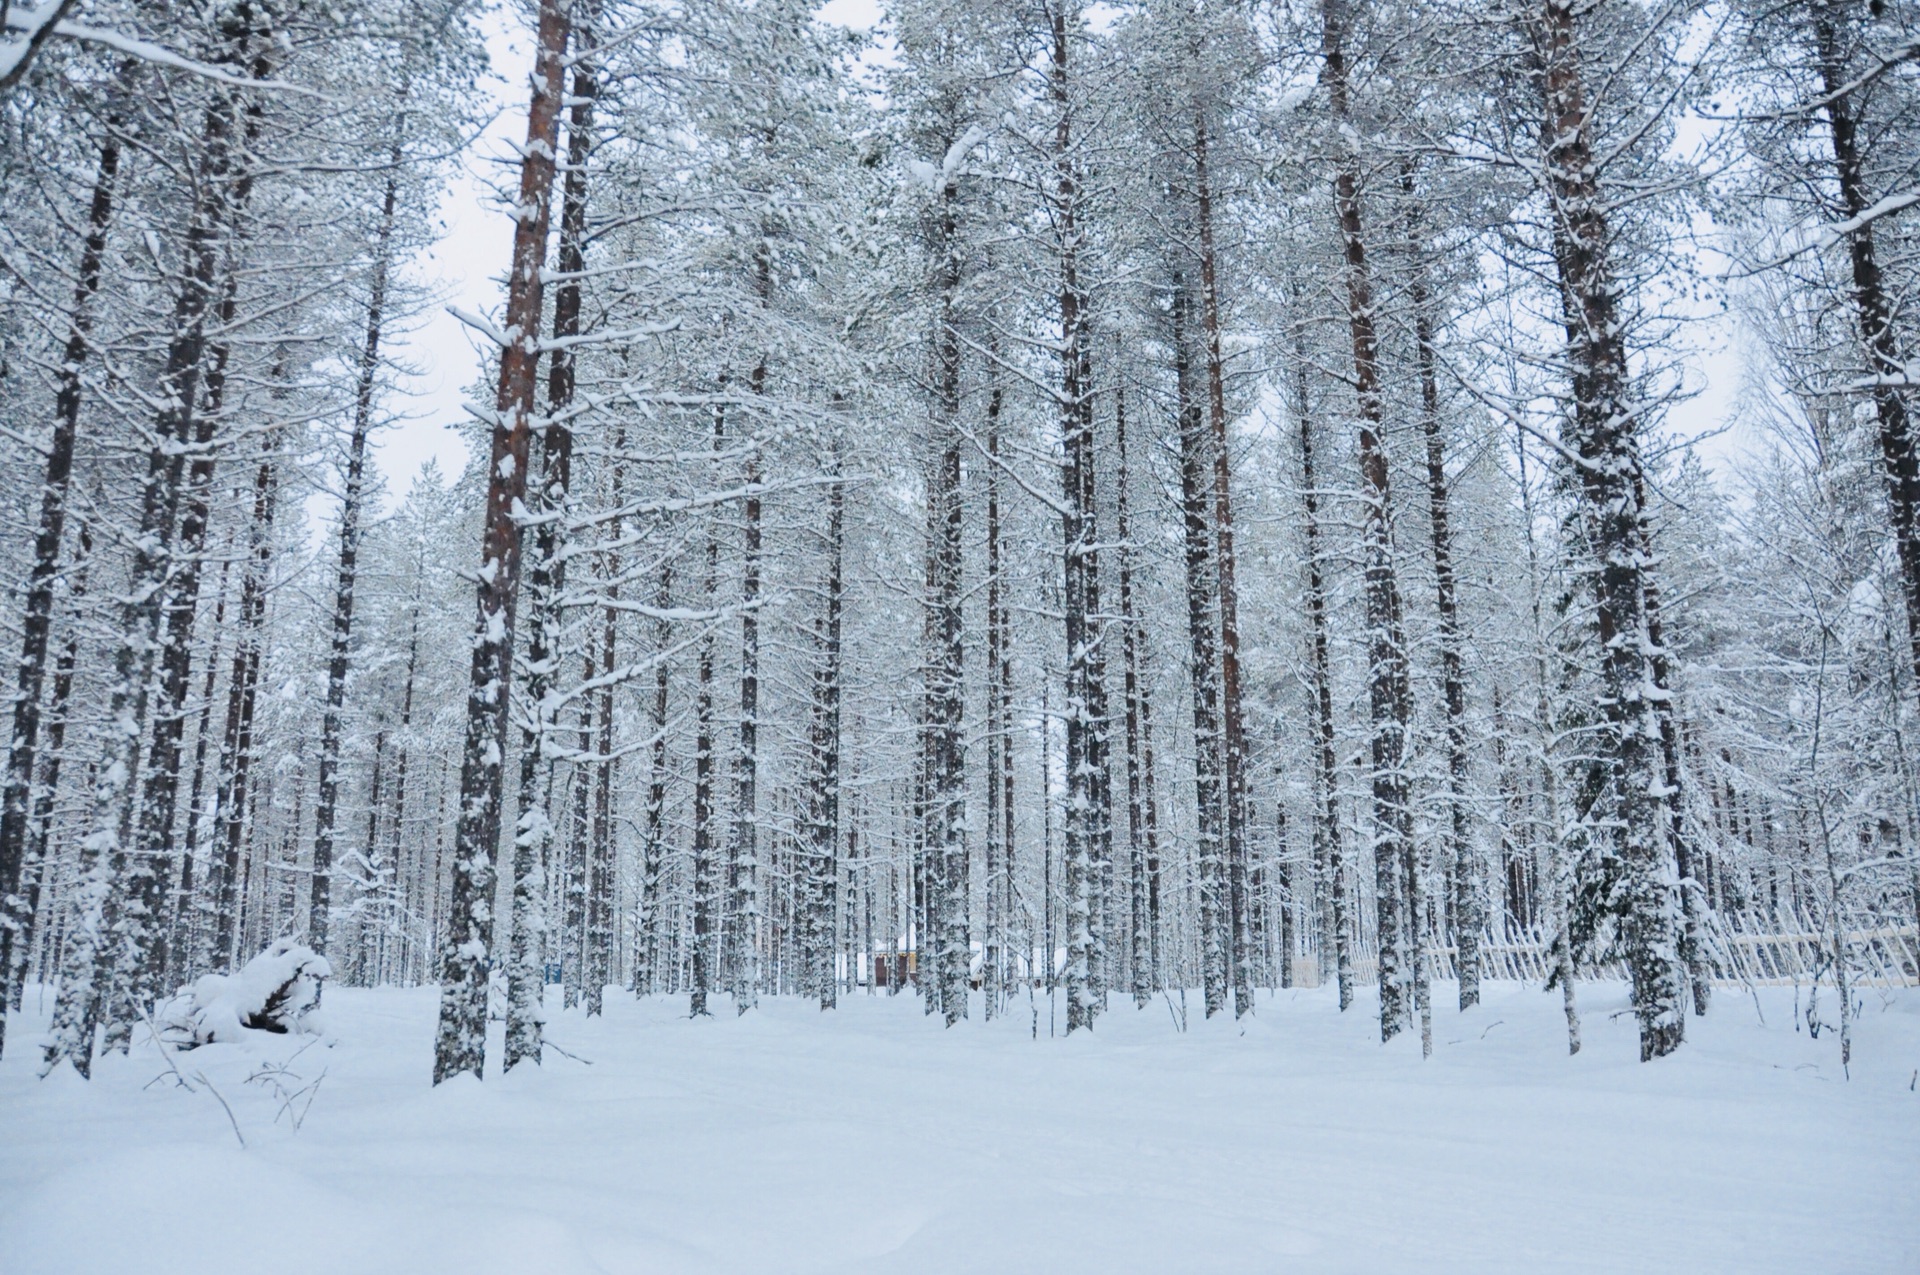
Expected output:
(277, 991)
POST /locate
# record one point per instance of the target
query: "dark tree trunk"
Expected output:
(1143, 973)
(117, 901)
(40, 830)
(232, 787)
(999, 739)
(946, 795)
(17, 801)
(1233, 750)
(183, 942)
(340, 656)
(743, 846)
(823, 745)
(462, 1037)
(701, 965)
(548, 507)
(1874, 311)
(1203, 633)
(1085, 702)
(1469, 916)
(1389, 696)
(1603, 431)
(1329, 859)
(651, 922)
(601, 881)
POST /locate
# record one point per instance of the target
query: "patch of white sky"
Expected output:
(447, 362)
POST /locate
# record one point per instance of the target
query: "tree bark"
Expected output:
(117, 901)
(823, 739)
(1395, 855)
(1602, 430)
(701, 965)
(1329, 856)
(1469, 915)
(654, 855)
(1084, 704)
(1233, 752)
(340, 656)
(16, 803)
(461, 1041)
(1203, 632)
(233, 771)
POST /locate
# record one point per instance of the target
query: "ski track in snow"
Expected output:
(871, 1139)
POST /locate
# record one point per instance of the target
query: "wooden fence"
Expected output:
(1753, 949)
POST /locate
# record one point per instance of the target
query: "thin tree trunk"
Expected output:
(183, 943)
(651, 932)
(340, 657)
(462, 1037)
(1142, 973)
(1203, 632)
(1395, 856)
(823, 738)
(1233, 751)
(40, 831)
(601, 884)
(701, 965)
(233, 771)
(1469, 915)
(743, 847)
(116, 900)
(999, 740)
(946, 850)
(22, 753)
(1085, 707)
(1329, 859)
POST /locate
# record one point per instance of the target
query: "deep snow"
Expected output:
(871, 1139)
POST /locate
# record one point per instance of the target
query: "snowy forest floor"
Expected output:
(874, 1140)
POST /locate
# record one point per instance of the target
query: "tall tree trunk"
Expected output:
(183, 942)
(1203, 632)
(652, 934)
(701, 965)
(1396, 868)
(1560, 866)
(547, 511)
(999, 739)
(398, 844)
(462, 1038)
(1874, 309)
(823, 740)
(1469, 916)
(40, 830)
(1603, 431)
(1143, 972)
(601, 884)
(116, 901)
(1085, 707)
(1233, 750)
(16, 804)
(232, 787)
(340, 656)
(1328, 855)
(743, 846)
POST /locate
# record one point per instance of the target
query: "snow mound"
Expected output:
(277, 991)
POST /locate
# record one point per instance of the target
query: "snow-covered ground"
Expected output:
(872, 1139)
